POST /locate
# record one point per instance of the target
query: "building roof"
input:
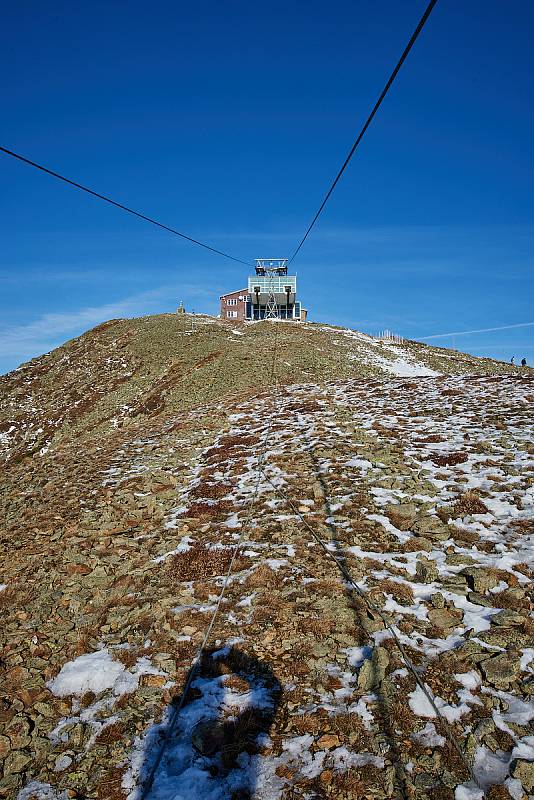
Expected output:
(237, 291)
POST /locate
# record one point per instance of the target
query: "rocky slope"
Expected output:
(159, 455)
(125, 370)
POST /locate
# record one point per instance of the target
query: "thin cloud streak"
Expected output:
(478, 330)
(52, 329)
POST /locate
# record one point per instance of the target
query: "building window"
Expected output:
(231, 314)
(232, 301)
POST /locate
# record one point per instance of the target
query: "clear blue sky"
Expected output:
(228, 121)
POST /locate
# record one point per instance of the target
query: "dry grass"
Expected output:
(503, 739)
(507, 599)
(320, 628)
(201, 510)
(87, 699)
(503, 575)
(524, 569)
(15, 598)
(110, 785)
(346, 724)
(523, 526)
(356, 782)
(299, 668)
(212, 491)
(439, 675)
(469, 503)
(326, 586)
(199, 563)
(306, 723)
(127, 657)
(236, 683)
(349, 782)
(449, 459)
(498, 793)
(463, 536)
(240, 735)
(401, 592)
(264, 577)
(451, 759)
(112, 733)
(401, 718)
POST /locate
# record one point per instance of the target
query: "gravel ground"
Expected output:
(114, 554)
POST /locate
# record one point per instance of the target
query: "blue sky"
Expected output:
(228, 121)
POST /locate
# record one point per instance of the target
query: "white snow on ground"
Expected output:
(402, 363)
(426, 424)
(184, 773)
(402, 367)
(36, 790)
(95, 672)
(182, 547)
(428, 736)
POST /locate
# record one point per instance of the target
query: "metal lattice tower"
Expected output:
(271, 307)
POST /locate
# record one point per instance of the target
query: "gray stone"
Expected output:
(480, 579)
(5, 746)
(507, 618)
(422, 543)
(402, 515)
(426, 570)
(432, 526)
(442, 618)
(501, 670)
(373, 670)
(437, 600)
(480, 600)
(16, 762)
(207, 737)
(524, 772)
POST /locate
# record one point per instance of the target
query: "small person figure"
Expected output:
(523, 362)
(512, 361)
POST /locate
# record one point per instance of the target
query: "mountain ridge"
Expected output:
(126, 368)
(178, 494)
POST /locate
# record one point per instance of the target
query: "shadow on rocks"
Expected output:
(222, 724)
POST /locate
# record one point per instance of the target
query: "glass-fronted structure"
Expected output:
(272, 292)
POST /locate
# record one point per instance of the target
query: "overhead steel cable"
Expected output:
(377, 105)
(119, 205)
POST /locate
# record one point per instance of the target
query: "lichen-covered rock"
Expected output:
(402, 515)
(442, 618)
(16, 762)
(501, 670)
(480, 579)
(373, 670)
(524, 772)
(426, 570)
(508, 618)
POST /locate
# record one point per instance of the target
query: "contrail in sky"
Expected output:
(479, 330)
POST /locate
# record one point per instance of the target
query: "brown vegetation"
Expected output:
(468, 504)
(449, 459)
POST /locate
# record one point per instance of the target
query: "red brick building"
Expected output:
(234, 305)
